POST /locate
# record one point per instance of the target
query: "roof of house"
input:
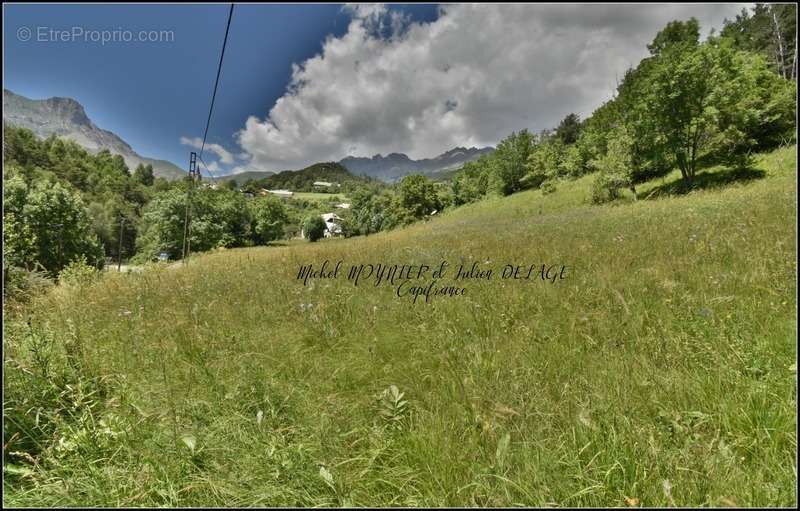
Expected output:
(329, 216)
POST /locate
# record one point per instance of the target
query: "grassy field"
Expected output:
(660, 372)
(318, 196)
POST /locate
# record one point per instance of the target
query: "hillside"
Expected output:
(243, 177)
(660, 372)
(65, 117)
(303, 180)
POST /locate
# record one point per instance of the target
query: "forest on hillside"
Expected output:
(303, 180)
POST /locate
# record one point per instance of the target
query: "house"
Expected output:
(320, 185)
(332, 226)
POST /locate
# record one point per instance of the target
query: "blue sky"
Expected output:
(152, 94)
(417, 79)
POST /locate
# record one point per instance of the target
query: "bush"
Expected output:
(78, 273)
(21, 285)
(548, 186)
(606, 187)
(313, 227)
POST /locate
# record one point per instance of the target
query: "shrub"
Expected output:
(606, 187)
(548, 186)
(78, 273)
(21, 285)
(314, 227)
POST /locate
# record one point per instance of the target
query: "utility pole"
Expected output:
(60, 247)
(187, 243)
(119, 252)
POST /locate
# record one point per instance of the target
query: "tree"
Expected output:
(510, 161)
(682, 33)
(569, 129)
(417, 197)
(113, 217)
(21, 146)
(714, 100)
(19, 239)
(574, 160)
(372, 210)
(46, 224)
(144, 174)
(755, 110)
(545, 162)
(314, 227)
(218, 218)
(685, 85)
(471, 183)
(269, 219)
(616, 167)
(771, 30)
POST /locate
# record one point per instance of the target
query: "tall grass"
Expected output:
(660, 372)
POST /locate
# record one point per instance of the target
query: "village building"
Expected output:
(332, 226)
(323, 184)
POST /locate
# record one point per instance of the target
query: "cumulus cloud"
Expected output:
(467, 79)
(223, 155)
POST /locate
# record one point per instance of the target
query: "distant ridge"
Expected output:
(396, 165)
(391, 167)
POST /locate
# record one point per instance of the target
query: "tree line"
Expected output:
(688, 103)
(64, 203)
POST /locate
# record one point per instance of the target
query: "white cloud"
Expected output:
(213, 167)
(224, 156)
(469, 78)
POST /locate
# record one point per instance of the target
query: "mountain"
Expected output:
(66, 118)
(396, 165)
(389, 168)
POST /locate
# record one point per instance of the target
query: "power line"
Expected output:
(216, 82)
(194, 172)
(210, 173)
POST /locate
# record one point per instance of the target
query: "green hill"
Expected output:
(660, 371)
(243, 177)
(303, 180)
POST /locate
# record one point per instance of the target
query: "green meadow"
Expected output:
(318, 196)
(660, 372)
